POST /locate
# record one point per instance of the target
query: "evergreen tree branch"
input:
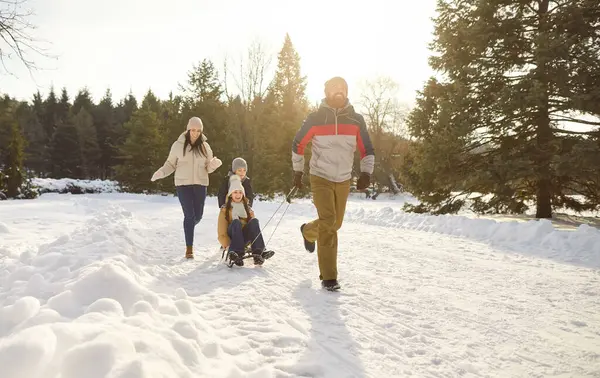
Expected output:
(558, 6)
(574, 120)
(572, 132)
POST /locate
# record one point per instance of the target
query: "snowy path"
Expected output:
(108, 295)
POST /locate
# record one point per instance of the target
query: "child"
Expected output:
(240, 168)
(237, 226)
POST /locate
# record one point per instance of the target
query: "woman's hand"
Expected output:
(157, 175)
(213, 164)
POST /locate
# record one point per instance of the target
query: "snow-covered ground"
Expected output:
(95, 286)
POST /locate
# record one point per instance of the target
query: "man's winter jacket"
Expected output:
(335, 135)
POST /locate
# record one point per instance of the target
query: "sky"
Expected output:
(137, 45)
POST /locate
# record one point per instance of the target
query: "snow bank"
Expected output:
(531, 208)
(383, 197)
(81, 307)
(535, 237)
(67, 185)
(106, 300)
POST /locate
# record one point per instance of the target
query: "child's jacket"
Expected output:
(223, 225)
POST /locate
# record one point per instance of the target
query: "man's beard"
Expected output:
(337, 100)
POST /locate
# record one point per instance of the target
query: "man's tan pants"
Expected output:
(330, 200)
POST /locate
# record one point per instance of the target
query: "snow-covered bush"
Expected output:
(74, 186)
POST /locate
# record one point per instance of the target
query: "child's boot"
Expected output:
(258, 259)
(266, 254)
(189, 252)
(261, 256)
(236, 258)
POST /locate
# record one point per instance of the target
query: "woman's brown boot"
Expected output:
(189, 252)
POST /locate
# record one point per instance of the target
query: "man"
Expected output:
(335, 130)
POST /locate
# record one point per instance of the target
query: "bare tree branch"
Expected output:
(386, 118)
(383, 110)
(251, 81)
(15, 35)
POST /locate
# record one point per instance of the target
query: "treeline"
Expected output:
(511, 118)
(128, 139)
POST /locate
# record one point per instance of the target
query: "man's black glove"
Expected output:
(363, 181)
(298, 179)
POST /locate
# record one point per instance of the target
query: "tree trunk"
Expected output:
(393, 184)
(544, 133)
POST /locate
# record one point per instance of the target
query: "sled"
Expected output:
(247, 255)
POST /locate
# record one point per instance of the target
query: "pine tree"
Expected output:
(238, 121)
(203, 83)
(125, 109)
(49, 119)
(107, 132)
(12, 146)
(63, 107)
(35, 137)
(283, 112)
(65, 152)
(83, 100)
(144, 150)
(513, 72)
(123, 113)
(441, 161)
(6, 104)
(14, 162)
(289, 86)
(38, 105)
(172, 123)
(51, 113)
(88, 143)
(151, 102)
(203, 97)
(580, 155)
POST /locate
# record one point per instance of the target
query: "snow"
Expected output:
(95, 285)
(537, 237)
(531, 208)
(62, 185)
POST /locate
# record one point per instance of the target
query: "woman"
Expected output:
(191, 158)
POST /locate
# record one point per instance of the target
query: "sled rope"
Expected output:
(277, 225)
(288, 200)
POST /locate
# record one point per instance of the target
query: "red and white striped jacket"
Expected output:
(335, 136)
